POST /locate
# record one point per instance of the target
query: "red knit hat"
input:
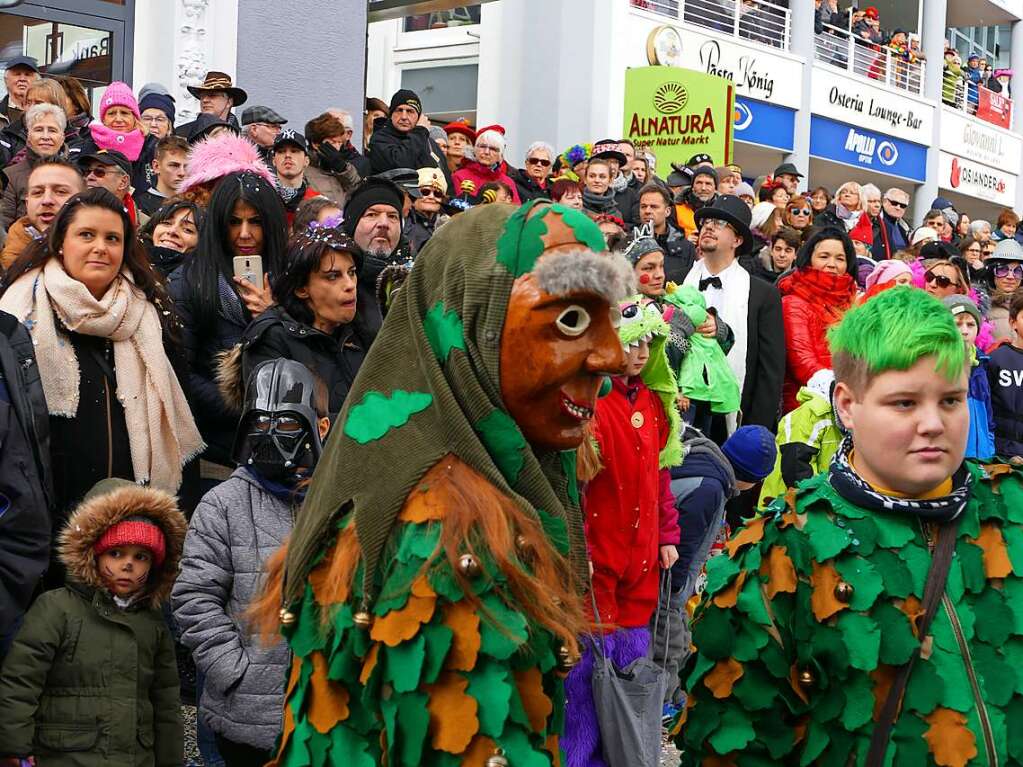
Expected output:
(463, 127)
(134, 531)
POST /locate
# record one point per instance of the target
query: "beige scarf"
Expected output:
(162, 435)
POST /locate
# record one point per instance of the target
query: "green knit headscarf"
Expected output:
(430, 386)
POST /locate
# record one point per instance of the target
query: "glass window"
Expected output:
(448, 92)
(456, 17)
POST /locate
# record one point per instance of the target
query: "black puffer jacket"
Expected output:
(389, 148)
(334, 358)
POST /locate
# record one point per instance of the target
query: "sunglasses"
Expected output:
(538, 161)
(430, 192)
(1004, 270)
(800, 211)
(896, 203)
(940, 280)
(99, 172)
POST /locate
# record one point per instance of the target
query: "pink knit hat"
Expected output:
(886, 271)
(118, 94)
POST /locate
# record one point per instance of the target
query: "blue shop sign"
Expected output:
(862, 148)
(757, 122)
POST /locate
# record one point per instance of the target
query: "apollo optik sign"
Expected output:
(678, 113)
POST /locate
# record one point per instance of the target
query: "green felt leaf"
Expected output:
(378, 413)
(582, 227)
(864, 535)
(418, 543)
(444, 331)
(958, 694)
(893, 532)
(734, 733)
(703, 663)
(1013, 535)
(404, 663)
(556, 530)
(721, 570)
(502, 629)
(505, 443)
(1012, 496)
(897, 640)
(828, 702)
(749, 640)
(971, 561)
(859, 701)
(319, 749)
(412, 721)
(827, 644)
(488, 684)
(917, 561)
(307, 634)
(778, 738)
(751, 602)
(865, 580)
(925, 689)
(908, 738)
(438, 642)
(713, 633)
(798, 548)
(442, 580)
(862, 639)
(1014, 713)
(998, 678)
(994, 620)
(816, 741)
(1012, 589)
(756, 690)
(397, 585)
(520, 750)
(897, 580)
(568, 465)
(297, 753)
(826, 538)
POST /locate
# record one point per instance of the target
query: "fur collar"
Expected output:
(93, 517)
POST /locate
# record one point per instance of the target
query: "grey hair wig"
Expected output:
(583, 271)
(37, 112)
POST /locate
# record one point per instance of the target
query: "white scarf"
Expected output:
(732, 305)
(162, 435)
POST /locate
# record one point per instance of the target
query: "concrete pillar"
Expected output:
(803, 44)
(299, 65)
(1016, 63)
(933, 43)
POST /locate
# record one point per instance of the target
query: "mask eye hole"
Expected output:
(262, 423)
(288, 425)
(573, 321)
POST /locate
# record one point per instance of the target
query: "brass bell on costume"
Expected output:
(469, 566)
(362, 619)
(498, 759)
(287, 617)
(844, 592)
(566, 659)
(806, 679)
(521, 542)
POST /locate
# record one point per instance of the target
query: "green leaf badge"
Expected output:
(377, 414)
(504, 442)
(444, 331)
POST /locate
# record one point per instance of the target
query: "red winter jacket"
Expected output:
(482, 174)
(812, 301)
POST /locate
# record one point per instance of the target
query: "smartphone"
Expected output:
(249, 268)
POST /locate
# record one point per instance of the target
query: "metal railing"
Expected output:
(894, 68)
(976, 100)
(758, 21)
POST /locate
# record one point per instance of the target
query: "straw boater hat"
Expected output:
(218, 81)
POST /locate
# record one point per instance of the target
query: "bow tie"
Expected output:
(715, 281)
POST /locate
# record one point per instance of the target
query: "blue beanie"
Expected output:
(752, 452)
(158, 101)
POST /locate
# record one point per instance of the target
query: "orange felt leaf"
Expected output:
(453, 719)
(996, 553)
(824, 579)
(289, 728)
(796, 686)
(462, 619)
(481, 749)
(730, 596)
(913, 610)
(951, 742)
(296, 672)
(401, 625)
(552, 747)
(781, 573)
(798, 733)
(883, 677)
(534, 700)
(369, 663)
(421, 587)
(722, 677)
(328, 700)
(422, 506)
(435, 492)
(751, 532)
(997, 472)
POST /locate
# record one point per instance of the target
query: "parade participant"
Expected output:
(636, 440)
(827, 608)
(91, 678)
(647, 261)
(1005, 374)
(472, 552)
(235, 527)
(981, 442)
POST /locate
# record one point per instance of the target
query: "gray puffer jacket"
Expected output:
(235, 529)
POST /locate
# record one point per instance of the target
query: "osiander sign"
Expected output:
(678, 113)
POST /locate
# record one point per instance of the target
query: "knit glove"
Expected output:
(331, 159)
(467, 186)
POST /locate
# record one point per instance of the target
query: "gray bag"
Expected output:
(629, 703)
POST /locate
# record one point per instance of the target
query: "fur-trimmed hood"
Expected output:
(230, 382)
(100, 510)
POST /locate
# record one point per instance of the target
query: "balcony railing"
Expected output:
(881, 63)
(758, 21)
(976, 100)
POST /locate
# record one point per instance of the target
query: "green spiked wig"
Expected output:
(892, 331)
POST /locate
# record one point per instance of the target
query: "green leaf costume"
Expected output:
(441, 676)
(832, 593)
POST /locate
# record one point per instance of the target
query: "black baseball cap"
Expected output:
(108, 157)
(293, 137)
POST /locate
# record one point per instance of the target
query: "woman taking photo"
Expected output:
(814, 297)
(98, 319)
(316, 320)
(45, 124)
(245, 217)
(171, 234)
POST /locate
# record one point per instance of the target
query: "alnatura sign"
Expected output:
(678, 113)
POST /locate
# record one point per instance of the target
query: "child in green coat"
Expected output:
(91, 677)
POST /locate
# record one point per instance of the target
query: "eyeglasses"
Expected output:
(896, 203)
(1005, 270)
(155, 120)
(538, 161)
(973, 250)
(940, 280)
(430, 192)
(714, 223)
(800, 211)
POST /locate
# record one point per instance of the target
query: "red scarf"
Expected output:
(832, 294)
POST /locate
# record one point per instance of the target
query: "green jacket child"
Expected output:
(812, 622)
(91, 677)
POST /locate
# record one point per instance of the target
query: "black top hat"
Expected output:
(735, 213)
(204, 123)
(218, 81)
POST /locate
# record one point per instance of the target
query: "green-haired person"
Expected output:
(874, 616)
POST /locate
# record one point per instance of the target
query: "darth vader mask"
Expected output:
(278, 435)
